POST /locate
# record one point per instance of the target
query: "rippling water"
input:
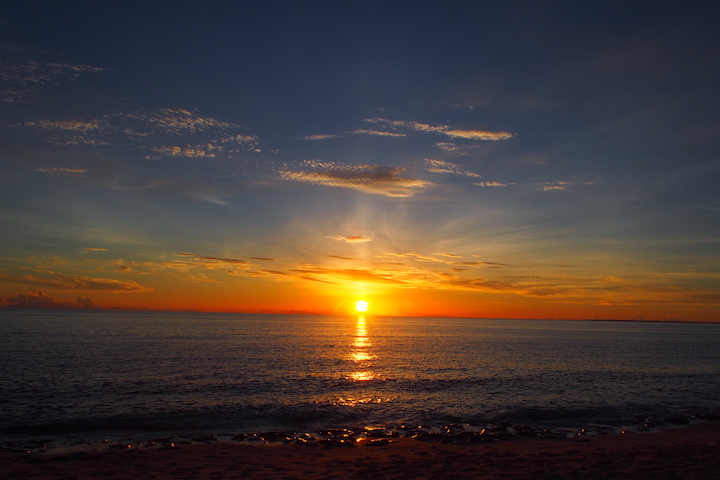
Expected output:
(105, 373)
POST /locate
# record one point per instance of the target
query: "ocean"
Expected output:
(83, 376)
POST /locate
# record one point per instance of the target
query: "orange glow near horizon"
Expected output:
(267, 296)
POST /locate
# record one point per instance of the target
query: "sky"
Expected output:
(474, 159)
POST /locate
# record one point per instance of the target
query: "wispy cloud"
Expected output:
(559, 185)
(443, 129)
(197, 151)
(494, 286)
(440, 166)
(177, 121)
(452, 147)
(496, 183)
(66, 172)
(73, 125)
(144, 129)
(24, 80)
(351, 239)
(213, 262)
(357, 275)
(376, 132)
(76, 282)
(374, 179)
(320, 137)
(477, 264)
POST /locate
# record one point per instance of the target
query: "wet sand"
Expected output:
(688, 453)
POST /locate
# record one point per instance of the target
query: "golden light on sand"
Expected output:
(361, 306)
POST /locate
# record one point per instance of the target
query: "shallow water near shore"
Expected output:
(70, 375)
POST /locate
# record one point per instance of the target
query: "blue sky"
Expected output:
(522, 159)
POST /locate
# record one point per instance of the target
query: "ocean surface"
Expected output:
(67, 374)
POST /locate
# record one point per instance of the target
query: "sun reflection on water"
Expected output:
(360, 353)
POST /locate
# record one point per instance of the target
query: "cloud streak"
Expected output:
(213, 262)
(352, 239)
(65, 172)
(443, 130)
(495, 286)
(375, 179)
(379, 133)
(76, 282)
(356, 275)
(441, 166)
(320, 137)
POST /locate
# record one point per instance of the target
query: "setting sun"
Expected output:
(361, 306)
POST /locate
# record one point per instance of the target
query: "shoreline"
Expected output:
(453, 433)
(691, 452)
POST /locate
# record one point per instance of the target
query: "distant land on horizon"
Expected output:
(328, 314)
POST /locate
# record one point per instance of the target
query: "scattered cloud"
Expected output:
(24, 80)
(440, 166)
(75, 140)
(443, 129)
(94, 249)
(246, 142)
(452, 147)
(547, 186)
(73, 125)
(38, 299)
(376, 179)
(352, 239)
(497, 183)
(144, 129)
(187, 151)
(478, 134)
(177, 121)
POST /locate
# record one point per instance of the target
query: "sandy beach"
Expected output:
(688, 453)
